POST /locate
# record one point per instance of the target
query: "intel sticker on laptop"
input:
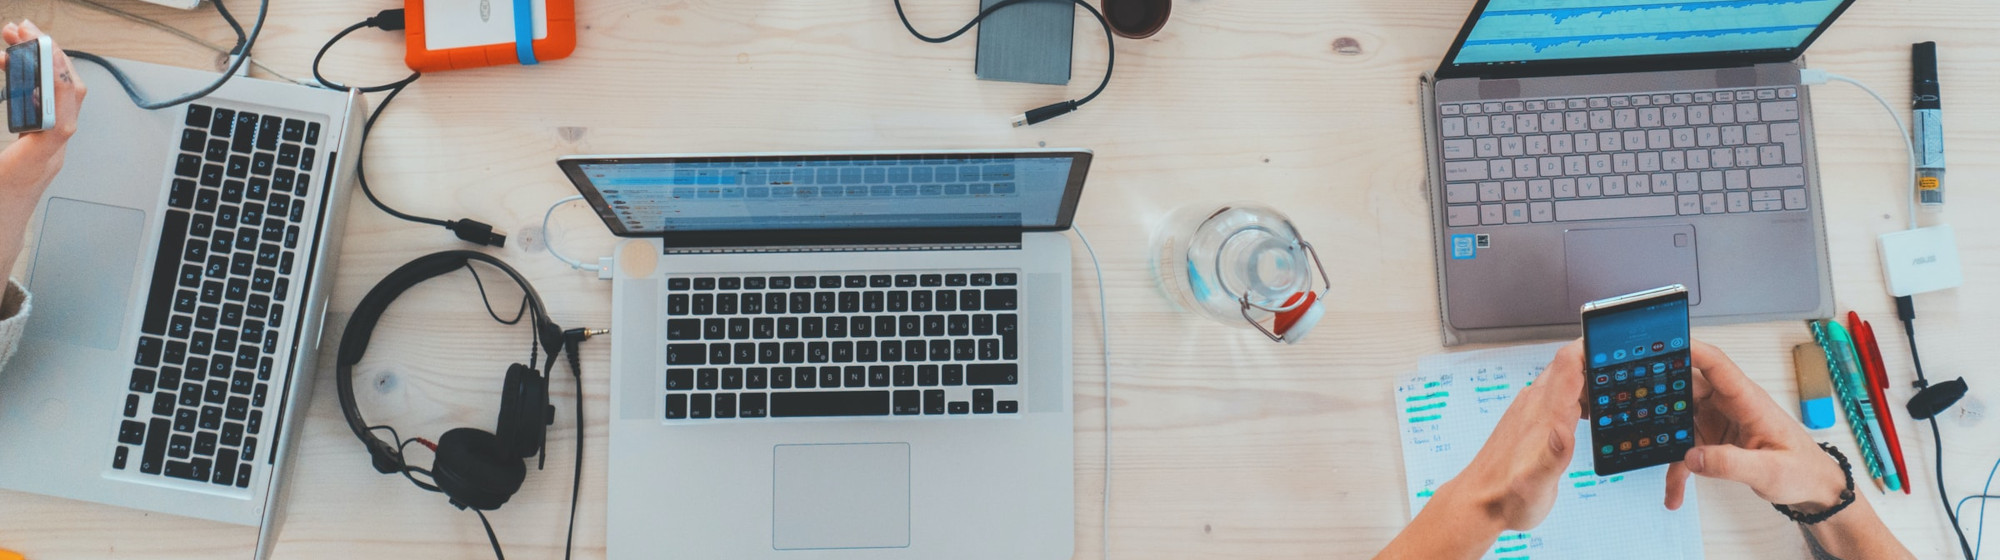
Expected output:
(1464, 246)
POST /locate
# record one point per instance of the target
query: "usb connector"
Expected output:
(1044, 113)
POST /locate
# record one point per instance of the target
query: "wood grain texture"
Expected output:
(1226, 446)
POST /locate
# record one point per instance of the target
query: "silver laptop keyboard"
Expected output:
(1628, 156)
(230, 239)
(842, 345)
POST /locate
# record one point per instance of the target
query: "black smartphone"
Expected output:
(1636, 364)
(31, 103)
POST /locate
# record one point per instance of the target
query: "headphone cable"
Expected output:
(490, 537)
(571, 338)
(1045, 112)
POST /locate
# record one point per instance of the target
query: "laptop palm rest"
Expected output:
(84, 261)
(840, 496)
(1606, 262)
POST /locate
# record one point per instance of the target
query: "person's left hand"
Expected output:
(31, 162)
(1513, 479)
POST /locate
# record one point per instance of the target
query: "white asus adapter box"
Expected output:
(1921, 260)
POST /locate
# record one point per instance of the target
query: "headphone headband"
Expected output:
(361, 327)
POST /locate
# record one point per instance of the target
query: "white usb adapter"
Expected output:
(1921, 260)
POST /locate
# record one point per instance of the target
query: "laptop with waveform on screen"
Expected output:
(1580, 149)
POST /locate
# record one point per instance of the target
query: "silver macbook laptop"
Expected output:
(852, 355)
(179, 274)
(1600, 147)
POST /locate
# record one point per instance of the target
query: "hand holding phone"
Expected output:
(31, 92)
(30, 163)
(1641, 388)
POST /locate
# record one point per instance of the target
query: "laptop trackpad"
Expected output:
(84, 259)
(1610, 262)
(840, 496)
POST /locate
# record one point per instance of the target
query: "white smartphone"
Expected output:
(31, 92)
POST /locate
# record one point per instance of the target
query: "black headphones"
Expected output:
(475, 468)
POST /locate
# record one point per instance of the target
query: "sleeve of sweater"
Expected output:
(14, 304)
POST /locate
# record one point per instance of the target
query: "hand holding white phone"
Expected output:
(31, 95)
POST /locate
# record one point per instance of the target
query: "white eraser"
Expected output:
(1921, 260)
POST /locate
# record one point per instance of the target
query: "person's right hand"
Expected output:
(1744, 436)
(1514, 477)
(31, 162)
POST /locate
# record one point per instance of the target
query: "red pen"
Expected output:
(1878, 379)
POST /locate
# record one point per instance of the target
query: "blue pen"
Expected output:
(1846, 370)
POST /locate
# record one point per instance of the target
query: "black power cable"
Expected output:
(1926, 405)
(393, 20)
(1051, 110)
(242, 54)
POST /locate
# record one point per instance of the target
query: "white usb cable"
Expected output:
(546, 240)
(1813, 77)
(1104, 329)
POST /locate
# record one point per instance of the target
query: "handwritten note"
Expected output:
(1447, 409)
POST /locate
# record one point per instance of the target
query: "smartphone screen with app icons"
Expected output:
(1636, 365)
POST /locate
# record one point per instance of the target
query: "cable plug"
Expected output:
(477, 232)
(1813, 76)
(571, 339)
(1044, 113)
(574, 336)
(387, 20)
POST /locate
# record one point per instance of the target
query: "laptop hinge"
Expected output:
(842, 240)
(844, 248)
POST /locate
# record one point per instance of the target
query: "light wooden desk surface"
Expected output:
(1227, 446)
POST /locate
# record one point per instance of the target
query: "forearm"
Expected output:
(14, 217)
(1451, 526)
(1855, 533)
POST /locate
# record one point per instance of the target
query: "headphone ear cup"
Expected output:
(476, 469)
(524, 412)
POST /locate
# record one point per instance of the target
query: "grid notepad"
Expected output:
(1446, 410)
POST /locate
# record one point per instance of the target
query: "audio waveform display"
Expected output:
(1670, 41)
(1531, 30)
(1644, 8)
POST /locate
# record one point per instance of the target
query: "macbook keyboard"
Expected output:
(1728, 151)
(842, 345)
(229, 242)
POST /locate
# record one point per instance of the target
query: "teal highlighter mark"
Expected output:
(1424, 407)
(1422, 419)
(1491, 388)
(1586, 483)
(1426, 493)
(1431, 385)
(1581, 474)
(1617, 478)
(1427, 396)
(1514, 543)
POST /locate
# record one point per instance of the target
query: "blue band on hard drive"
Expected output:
(524, 32)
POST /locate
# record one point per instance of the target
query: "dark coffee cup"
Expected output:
(1136, 19)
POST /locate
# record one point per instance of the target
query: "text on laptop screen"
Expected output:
(1538, 30)
(766, 193)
